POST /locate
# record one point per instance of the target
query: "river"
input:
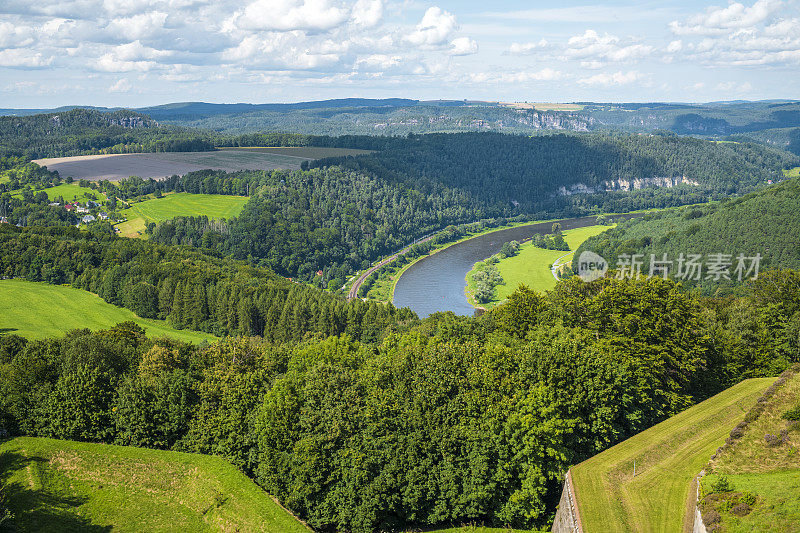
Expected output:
(437, 282)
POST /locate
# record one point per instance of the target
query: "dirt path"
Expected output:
(353, 293)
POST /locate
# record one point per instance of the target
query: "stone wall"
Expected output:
(568, 518)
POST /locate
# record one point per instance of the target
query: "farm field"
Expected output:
(668, 456)
(530, 265)
(37, 310)
(215, 206)
(66, 486)
(302, 152)
(70, 192)
(115, 167)
(792, 172)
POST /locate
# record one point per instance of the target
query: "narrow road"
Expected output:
(360, 279)
(556, 264)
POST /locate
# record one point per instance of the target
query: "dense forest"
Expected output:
(766, 222)
(331, 220)
(548, 173)
(185, 287)
(451, 420)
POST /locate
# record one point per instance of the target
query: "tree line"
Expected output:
(187, 288)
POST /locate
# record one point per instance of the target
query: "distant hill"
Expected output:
(773, 122)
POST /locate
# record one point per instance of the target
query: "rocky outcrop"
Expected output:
(626, 185)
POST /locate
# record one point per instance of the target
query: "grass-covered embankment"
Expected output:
(36, 310)
(668, 456)
(66, 486)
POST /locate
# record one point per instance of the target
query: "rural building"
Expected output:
(3, 220)
(102, 215)
(54, 204)
(87, 219)
(80, 209)
(69, 207)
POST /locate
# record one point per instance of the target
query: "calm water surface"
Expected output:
(437, 282)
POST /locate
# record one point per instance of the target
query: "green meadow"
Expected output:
(65, 486)
(37, 310)
(531, 266)
(667, 456)
(71, 192)
(156, 210)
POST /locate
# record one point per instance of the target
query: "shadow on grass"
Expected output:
(35, 509)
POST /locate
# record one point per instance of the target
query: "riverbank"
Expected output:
(532, 266)
(384, 288)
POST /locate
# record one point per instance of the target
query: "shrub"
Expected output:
(793, 414)
(711, 517)
(772, 440)
(749, 498)
(741, 509)
(722, 484)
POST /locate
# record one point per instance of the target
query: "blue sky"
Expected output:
(145, 52)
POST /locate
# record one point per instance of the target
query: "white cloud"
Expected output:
(523, 49)
(675, 46)
(608, 47)
(23, 58)
(286, 15)
(434, 29)
(367, 13)
(378, 62)
(721, 20)
(608, 79)
(462, 46)
(122, 85)
(138, 26)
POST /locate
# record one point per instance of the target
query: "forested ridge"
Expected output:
(766, 222)
(187, 288)
(451, 420)
(330, 219)
(87, 131)
(528, 172)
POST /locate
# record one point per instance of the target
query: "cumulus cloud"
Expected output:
(23, 58)
(607, 47)
(741, 35)
(545, 74)
(611, 79)
(462, 46)
(122, 85)
(288, 15)
(138, 26)
(434, 29)
(367, 13)
(524, 49)
(721, 20)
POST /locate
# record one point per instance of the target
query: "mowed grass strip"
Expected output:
(36, 310)
(668, 456)
(302, 152)
(65, 486)
(183, 204)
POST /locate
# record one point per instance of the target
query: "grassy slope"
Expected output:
(771, 473)
(37, 310)
(531, 265)
(180, 204)
(667, 456)
(64, 486)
